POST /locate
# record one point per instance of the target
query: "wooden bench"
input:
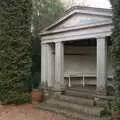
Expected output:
(82, 75)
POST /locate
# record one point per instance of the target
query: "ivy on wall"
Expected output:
(15, 50)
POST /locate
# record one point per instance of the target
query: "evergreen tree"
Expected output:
(116, 52)
(15, 50)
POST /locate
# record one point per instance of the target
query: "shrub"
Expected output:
(116, 54)
(15, 50)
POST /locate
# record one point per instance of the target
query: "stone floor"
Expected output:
(26, 112)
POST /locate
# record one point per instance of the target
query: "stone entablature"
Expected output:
(79, 22)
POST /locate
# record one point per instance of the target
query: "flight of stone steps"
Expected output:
(77, 103)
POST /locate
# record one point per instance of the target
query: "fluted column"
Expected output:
(101, 66)
(50, 66)
(59, 66)
(43, 64)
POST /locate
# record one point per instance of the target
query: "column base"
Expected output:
(42, 86)
(59, 87)
(58, 90)
(48, 92)
(101, 92)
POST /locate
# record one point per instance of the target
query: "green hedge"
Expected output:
(116, 52)
(15, 50)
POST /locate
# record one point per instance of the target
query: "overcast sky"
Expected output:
(99, 3)
(92, 3)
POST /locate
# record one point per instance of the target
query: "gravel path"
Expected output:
(26, 112)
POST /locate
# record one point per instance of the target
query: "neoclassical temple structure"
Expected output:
(75, 50)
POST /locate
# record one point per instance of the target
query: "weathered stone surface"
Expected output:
(79, 23)
(77, 107)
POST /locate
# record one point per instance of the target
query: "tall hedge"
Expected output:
(116, 52)
(15, 50)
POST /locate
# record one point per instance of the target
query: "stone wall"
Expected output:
(83, 59)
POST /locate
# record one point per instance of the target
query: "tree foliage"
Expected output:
(116, 52)
(15, 50)
(45, 12)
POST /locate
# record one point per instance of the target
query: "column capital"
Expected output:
(101, 37)
(43, 43)
(58, 42)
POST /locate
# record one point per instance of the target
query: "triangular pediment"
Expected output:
(81, 16)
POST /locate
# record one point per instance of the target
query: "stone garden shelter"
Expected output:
(75, 50)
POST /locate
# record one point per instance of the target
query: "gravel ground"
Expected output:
(26, 112)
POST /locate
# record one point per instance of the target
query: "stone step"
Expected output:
(87, 82)
(109, 98)
(76, 100)
(91, 90)
(90, 111)
(88, 95)
(86, 87)
(101, 103)
(68, 113)
(98, 100)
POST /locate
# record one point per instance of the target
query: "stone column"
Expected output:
(59, 66)
(43, 64)
(50, 66)
(101, 66)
